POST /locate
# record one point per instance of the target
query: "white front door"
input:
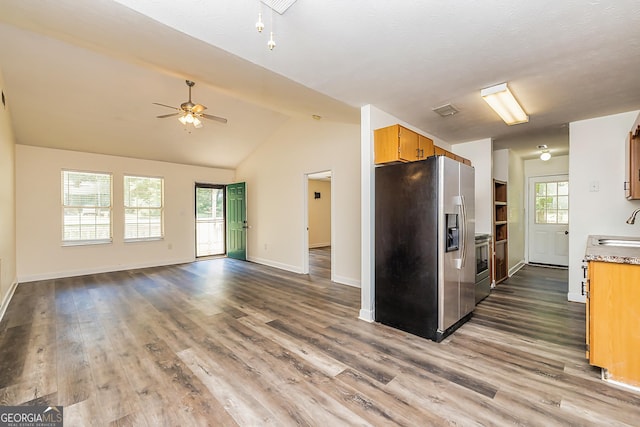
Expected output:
(549, 220)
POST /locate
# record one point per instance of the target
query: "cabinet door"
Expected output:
(395, 144)
(632, 186)
(614, 310)
(409, 148)
(426, 147)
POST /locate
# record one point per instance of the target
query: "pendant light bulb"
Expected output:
(189, 118)
(259, 24)
(271, 44)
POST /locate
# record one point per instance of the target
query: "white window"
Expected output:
(552, 202)
(143, 208)
(86, 207)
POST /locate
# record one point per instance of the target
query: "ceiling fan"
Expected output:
(190, 112)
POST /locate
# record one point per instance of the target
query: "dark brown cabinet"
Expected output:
(500, 232)
(632, 186)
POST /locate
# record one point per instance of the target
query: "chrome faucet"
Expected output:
(632, 218)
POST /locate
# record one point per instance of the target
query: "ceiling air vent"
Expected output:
(279, 6)
(446, 110)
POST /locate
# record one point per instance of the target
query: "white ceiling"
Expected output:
(83, 75)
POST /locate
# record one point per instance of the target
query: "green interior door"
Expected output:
(237, 221)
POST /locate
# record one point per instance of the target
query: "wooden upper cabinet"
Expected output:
(395, 144)
(399, 144)
(439, 151)
(632, 186)
(426, 146)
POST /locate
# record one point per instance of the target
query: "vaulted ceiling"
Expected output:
(84, 75)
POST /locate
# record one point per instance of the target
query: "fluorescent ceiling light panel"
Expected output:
(499, 98)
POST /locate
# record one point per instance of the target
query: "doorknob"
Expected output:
(566, 232)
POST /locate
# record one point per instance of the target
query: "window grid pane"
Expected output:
(552, 203)
(86, 206)
(143, 200)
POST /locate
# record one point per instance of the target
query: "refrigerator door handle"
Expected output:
(460, 262)
(463, 208)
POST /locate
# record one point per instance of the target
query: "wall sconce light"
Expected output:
(502, 101)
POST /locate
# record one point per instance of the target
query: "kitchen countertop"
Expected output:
(616, 254)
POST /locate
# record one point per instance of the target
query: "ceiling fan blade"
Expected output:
(216, 118)
(168, 106)
(198, 108)
(168, 115)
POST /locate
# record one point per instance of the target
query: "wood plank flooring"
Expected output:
(320, 262)
(224, 342)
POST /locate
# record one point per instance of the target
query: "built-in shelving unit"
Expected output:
(500, 232)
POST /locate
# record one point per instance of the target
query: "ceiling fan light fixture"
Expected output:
(197, 123)
(188, 118)
(183, 120)
(500, 98)
(271, 44)
(259, 24)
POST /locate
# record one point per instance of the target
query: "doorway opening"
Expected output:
(548, 223)
(318, 259)
(210, 220)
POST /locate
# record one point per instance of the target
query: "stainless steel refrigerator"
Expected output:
(424, 246)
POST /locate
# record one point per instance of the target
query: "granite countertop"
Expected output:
(617, 254)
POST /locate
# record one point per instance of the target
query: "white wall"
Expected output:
(276, 195)
(481, 155)
(39, 251)
(501, 165)
(319, 213)
(372, 118)
(597, 156)
(557, 165)
(516, 212)
(8, 277)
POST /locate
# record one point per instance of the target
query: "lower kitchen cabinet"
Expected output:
(613, 320)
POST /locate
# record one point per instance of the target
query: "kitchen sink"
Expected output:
(625, 243)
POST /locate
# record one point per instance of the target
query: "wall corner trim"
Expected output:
(7, 299)
(366, 315)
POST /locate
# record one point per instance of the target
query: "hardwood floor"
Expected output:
(320, 262)
(225, 342)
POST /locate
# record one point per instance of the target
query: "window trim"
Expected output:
(84, 242)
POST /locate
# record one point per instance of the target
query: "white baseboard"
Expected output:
(513, 270)
(347, 281)
(105, 269)
(7, 299)
(319, 245)
(280, 265)
(366, 315)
